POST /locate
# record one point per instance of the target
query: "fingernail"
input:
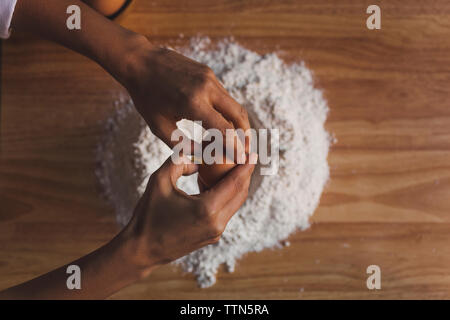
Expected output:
(242, 158)
(253, 158)
(197, 160)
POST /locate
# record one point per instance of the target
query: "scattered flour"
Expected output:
(276, 95)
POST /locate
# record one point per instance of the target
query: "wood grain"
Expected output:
(388, 200)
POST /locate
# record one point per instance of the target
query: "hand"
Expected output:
(167, 87)
(168, 224)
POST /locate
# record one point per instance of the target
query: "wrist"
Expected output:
(125, 58)
(129, 248)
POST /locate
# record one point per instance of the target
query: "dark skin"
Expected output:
(166, 224)
(197, 94)
(165, 87)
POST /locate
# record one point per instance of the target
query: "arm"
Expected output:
(103, 272)
(99, 39)
(167, 224)
(165, 86)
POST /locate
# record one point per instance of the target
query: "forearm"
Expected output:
(99, 39)
(103, 272)
(111, 267)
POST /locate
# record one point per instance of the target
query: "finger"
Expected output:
(201, 185)
(170, 172)
(186, 168)
(231, 110)
(233, 206)
(235, 113)
(212, 119)
(166, 128)
(163, 129)
(235, 148)
(235, 182)
(188, 147)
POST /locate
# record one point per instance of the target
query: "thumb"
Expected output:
(183, 167)
(169, 172)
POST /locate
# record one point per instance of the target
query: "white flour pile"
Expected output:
(277, 96)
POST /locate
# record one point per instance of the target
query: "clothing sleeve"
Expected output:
(6, 13)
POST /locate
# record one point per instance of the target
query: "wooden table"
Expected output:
(388, 201)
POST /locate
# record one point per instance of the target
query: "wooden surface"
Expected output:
(388, 201)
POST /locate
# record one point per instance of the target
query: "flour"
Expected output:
(276, 95)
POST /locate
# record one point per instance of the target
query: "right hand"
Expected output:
(168, 224)
(166, 87)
